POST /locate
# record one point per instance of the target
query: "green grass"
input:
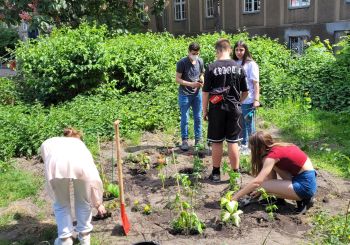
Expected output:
(323, 135)
(16, 184)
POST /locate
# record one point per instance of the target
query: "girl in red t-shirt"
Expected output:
(298, 177)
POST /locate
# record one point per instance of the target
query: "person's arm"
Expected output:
(256, 102)
(182, 82)
(255, 77)
(244, 95)
(256, 182)
(205, 100)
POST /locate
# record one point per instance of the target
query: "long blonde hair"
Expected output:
(72, 132)
(260, 144)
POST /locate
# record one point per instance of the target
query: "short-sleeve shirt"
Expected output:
(291, 158)
(190, 73)
(252, 72)
(224, 73)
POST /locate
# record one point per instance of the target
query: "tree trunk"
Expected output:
(159, 23)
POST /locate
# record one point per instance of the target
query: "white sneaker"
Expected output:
(60, 241)
(244, 150)
(84, 239)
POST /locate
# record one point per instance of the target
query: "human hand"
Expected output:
(101, 211)
(256, 104)
(255, 194)
(205, 115)
(196, 85)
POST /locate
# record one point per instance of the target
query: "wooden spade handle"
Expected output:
(119, 162)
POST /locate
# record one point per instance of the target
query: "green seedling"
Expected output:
(197, 165)
(229, 210)
(270, 207)
(136, 206)
(141, 161)
(234, 177)
(113, 190)
(147, 209)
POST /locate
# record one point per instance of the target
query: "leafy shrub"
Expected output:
(24, 128)
(58, 67)
(325, 80)
(8, 39)
(8, 93)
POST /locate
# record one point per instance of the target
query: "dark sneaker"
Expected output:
(304, 205)
(184, 146)
(215, 178)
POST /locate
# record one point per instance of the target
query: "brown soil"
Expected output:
(287, 227)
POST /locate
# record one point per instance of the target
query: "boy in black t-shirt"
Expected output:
(224, 89)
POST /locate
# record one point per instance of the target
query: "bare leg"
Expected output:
(217, 151)
(280, 188)
(233, 154)
(283, 174)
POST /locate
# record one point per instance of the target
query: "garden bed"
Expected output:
(145, 188)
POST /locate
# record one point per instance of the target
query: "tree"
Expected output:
(43, 14)
(158, 11)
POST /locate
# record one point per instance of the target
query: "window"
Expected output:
(299, 3)
(251, 6)
(179, 7)
(297, 43)
(209, 8)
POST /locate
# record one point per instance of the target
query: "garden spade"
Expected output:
(125, 220)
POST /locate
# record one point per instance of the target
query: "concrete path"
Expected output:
(4, 72)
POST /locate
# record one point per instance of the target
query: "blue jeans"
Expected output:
(248, 113)
(185, 102)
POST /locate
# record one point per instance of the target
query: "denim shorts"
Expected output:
(304, 184)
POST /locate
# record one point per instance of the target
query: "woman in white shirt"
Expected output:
(68, 159)
(243, 57)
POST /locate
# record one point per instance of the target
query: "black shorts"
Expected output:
(224, 124)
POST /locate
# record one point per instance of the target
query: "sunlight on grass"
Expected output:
(323, 135)
(16, 184)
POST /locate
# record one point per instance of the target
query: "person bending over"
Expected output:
(67, 159)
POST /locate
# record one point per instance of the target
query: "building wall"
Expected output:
(325, 18)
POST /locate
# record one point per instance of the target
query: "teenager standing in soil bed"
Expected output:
(224, 89)
(243, 57)
(189, 75)
(289, 162)
(68, 159)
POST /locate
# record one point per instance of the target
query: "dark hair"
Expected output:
(260, 143)
(222, 44)
(246, 56)
(72, 132)
(194, 47)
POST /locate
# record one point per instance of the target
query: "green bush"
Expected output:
(8, 93)
(8, 39)
(24, 128)
(323, 78)
(58, 67)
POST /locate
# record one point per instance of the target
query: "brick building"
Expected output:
(292, 21)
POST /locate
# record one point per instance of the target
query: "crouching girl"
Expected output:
(298, 177)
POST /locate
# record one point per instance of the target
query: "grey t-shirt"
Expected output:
(190, 73)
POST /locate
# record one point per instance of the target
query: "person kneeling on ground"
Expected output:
(289, 162)
(68, 159)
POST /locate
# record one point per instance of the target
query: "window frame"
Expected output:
(298, 6)
(209, 7)
(252, 2)
(300, 44)
(182, 8)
